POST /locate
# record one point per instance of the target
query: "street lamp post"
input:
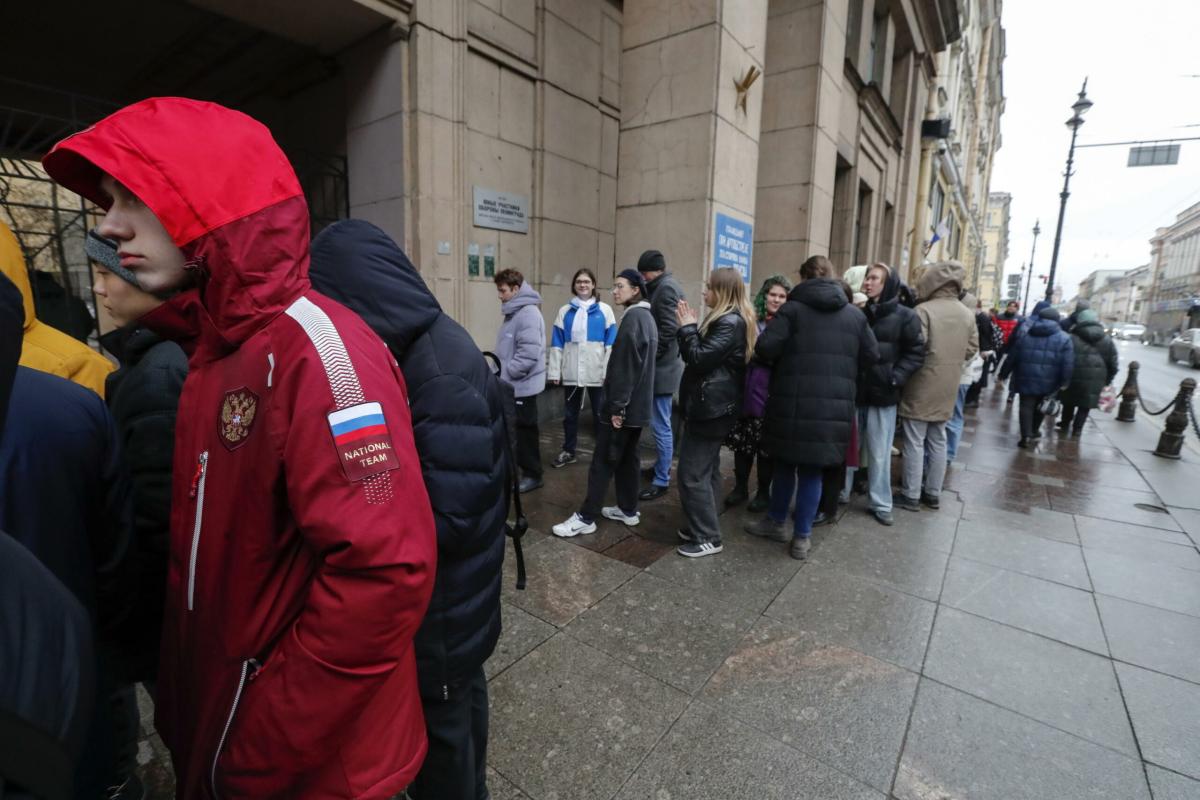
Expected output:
(1079, 108)
(1037, 230)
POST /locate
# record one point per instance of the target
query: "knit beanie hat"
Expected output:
(635, 279)
(652, 261)
(104, 252)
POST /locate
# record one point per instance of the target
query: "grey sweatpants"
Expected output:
(916, 434)
(699, 476)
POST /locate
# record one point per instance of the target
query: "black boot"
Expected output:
(738, 496)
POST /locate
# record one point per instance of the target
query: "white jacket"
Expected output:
(580, 343)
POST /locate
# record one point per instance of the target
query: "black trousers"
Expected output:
(832, 480)
(743, 462)
(456, 765)
(572, 405)
(1076, 413)
(616, 456)
(1031, 415)
(529, 452)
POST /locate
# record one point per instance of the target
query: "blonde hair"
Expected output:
(729, 297)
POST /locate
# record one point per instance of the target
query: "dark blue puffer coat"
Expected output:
(458, 424)
(1042, 360)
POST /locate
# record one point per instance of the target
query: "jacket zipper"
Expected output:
(197, 492)
(237, 698)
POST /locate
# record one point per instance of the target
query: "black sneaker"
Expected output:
(738, 496)
(699, 549)
(907, 503)
(931, 501)
(760, 503)
(562, 459)
(823, 519)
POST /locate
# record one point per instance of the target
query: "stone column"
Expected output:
(797, 168)
(687, 150)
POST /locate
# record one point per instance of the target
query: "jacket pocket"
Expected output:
(247, 665)
(197, 492)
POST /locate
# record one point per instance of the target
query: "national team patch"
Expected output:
(361, 437)
(237, 415)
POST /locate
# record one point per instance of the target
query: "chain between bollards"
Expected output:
(1170, 443)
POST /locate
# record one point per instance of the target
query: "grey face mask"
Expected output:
(104, 252)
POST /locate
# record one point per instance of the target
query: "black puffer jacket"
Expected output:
(817, 344)
(143, 396)
(1095, 365)
(901, 347)
(714, 374)
(458, 425)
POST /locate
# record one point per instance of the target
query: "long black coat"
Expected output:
(1095, 365)
(458, 424)
(143, 396)
(897, 329)
(816, 344)
(714, 375)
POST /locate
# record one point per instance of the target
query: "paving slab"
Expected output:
(1164, 712)
(709, 756)
(569, 721)
(563, 580)
(834, 703)
(1183, 556)
(893, 561)
(839, 608)
(1033, 521)
(1171, 785)
(1109, 503)
(1142, 582)
(1131, 531)
(933, 530)
(1029, 555)
(520, 632)
(669, 631)
(1059, 685)
(500, 788)
(1031, 604)
(962, 748)
(1189, 520)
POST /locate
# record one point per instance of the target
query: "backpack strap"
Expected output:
(514, 530)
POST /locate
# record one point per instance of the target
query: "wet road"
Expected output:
(1158, 381)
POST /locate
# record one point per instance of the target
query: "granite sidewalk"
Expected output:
(1037, 637)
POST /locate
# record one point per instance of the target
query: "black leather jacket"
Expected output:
(714, 377)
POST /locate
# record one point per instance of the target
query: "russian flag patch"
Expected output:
(361, 437)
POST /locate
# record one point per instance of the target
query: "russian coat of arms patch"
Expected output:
(237, 415)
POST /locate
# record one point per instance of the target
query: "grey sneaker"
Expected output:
(884, 517)
(562, 459)
(800, 547)
(907, 503)
(768, 529)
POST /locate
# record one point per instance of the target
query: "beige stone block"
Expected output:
(497, 164)
(610, 130)
(649, 20)
(482, 313)
(375, 157)
(746, 21)
(665, 162)
(438, 15)
(572, 60)
(435, 59)
(388, 215)
(610, 47)
(516, 108)
(735, 62)
(375, 80)
(434, 154)
(789, 99)
(781, 213)
(833, 40)
(735, 160)
(794, 39)
(516, 250)
(606, 268)
(780, 8)
(837, 103)
(584, 16)
(820, 221)
(565, 249)
(483, 95)
(785, 157)
(436, 223)
(522, 12)
(502, 32)
(669, 79)
(776, 258)
(571, 127)
(606, 211)
(677, 229)
(494, 5)
(570, 191)
(610, 91)
(824, 163)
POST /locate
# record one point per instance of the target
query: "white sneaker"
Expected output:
(573, 527)
(615, 512)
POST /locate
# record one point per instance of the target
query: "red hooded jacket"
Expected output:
(302, 541)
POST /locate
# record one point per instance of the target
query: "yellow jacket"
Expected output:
(44, 348)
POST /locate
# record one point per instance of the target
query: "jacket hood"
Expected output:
(1091, 331)
(221, 187)
(823, 294)
(359, 265)
(526, 296)
(942, 279)
(1045, 326)
(12, 266)
(969, 301)
(1038, 307)
(12, 319)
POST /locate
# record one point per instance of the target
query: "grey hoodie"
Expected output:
(521, 342)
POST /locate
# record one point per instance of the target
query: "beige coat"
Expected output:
(951, 340)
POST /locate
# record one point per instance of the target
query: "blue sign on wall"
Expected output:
(733, 243)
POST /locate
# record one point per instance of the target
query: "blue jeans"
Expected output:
(661, 425)
(804, 483)
(876, 429)
(954, 427)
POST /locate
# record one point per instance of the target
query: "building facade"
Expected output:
(995, 248)
(550, 135)
(1122, 299)
(1174, 302)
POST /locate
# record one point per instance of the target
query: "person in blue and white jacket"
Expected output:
(580, 343)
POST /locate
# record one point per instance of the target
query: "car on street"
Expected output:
(1186, 348)
(1129, 330)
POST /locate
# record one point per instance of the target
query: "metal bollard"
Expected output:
(1170, 443)
(1129, 394)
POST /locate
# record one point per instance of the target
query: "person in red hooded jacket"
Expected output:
(302, 540)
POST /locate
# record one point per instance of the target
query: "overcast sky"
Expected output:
(1139, 59)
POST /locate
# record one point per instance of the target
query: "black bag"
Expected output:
(515, 529)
